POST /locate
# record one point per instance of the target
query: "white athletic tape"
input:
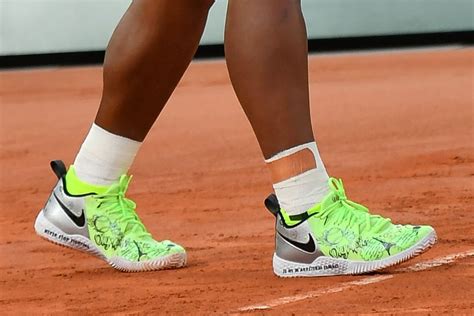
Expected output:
(364, 281)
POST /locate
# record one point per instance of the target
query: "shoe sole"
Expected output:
(328, 266)
(47, 230)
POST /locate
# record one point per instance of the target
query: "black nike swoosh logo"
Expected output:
(80, 221)
(310, 246)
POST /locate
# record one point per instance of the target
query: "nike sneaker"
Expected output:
(338, 236)
(103, 222)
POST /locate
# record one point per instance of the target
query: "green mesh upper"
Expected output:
(114, 226)
(345, 229)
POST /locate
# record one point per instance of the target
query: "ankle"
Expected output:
(299, 177)
(104, 157)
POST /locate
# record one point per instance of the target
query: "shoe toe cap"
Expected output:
(173, 247)
(425, 230)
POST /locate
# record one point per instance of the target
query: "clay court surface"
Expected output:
(396, 126)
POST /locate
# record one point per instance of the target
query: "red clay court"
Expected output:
(397, 126)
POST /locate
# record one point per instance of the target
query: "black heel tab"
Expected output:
(58, 168)
(271, 203)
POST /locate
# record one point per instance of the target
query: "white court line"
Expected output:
(333, 289)
(425, 265)
(437, 262)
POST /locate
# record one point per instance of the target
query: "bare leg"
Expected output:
(147, 56)
(318, 231)
(149, 52)
(266, 50)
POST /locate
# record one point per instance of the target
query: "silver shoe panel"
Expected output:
(300, 233)
(56, 215)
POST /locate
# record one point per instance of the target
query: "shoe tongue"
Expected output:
(334, 197)
(336, 192)
(331, 198)
(120, 186)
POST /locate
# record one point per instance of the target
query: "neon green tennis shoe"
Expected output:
(338, 236)
(103, 222)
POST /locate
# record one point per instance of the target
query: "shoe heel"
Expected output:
(47, 230)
